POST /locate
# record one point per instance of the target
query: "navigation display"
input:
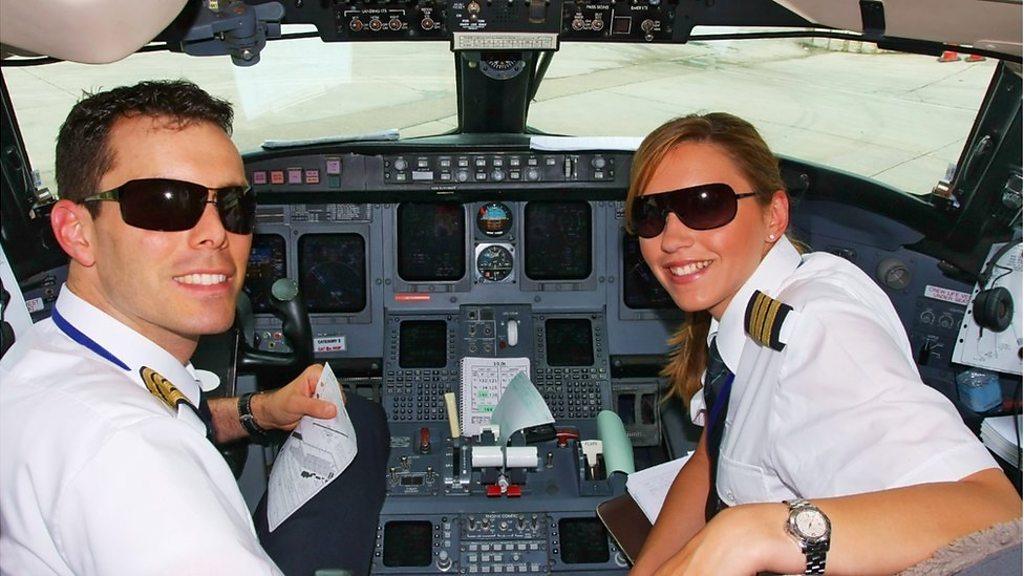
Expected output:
(267, 264)
(431, 242)
(333, 272)
(423, 344)
(408, 543)
(583, 540)
(558, 240)
(640, 289)
(569, 342)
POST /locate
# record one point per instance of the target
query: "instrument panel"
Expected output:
(412, 260)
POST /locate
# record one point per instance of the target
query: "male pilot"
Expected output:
(105, 465)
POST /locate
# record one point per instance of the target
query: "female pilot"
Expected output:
(822, 448)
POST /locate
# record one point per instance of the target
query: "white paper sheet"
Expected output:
(483, 382)
(649, 487)
(316, 453)
(581, 143)
(985, 348)
(521, 406)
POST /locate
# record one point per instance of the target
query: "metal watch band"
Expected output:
(245, 417)
(815, 562)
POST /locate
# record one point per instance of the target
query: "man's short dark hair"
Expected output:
(83, 144)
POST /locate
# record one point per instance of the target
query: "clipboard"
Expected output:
(626, 523)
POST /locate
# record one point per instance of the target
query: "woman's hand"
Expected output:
(739, 541)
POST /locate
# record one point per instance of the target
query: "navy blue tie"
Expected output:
(717, 386)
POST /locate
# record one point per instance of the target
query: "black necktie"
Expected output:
(717, 386)
(206, 416)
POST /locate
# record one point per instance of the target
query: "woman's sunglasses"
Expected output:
(701, 207)
(167, 205)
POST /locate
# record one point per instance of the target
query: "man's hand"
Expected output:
(278, 410)
(283, 408)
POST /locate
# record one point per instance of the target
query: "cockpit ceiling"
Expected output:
(986, 24)
(104, 30)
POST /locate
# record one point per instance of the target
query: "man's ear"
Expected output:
(73, 227)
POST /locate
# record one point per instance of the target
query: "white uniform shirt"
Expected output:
(97, 475)
(842, 408)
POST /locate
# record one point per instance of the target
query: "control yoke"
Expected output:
(288, 306)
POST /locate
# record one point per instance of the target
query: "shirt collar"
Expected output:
(777, 265)
(127, 345)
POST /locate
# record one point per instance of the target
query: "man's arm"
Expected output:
(681, 516)
(278, 410)
(873, 533)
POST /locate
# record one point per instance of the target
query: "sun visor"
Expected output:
(103, 30)
(992, 25)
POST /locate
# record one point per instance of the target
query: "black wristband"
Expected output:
(256, 433)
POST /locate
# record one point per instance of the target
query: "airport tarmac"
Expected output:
(898, 118)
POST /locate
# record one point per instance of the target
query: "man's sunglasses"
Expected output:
(701, 207)
(167, 205)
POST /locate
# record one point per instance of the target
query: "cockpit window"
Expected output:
(898, 118)
(301, 89)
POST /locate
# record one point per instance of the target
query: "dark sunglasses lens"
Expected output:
(237, 209)
(648, 217)
(707, 207)
(162, 205)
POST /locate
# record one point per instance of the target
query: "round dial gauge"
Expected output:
(494, 263)
(494, 219)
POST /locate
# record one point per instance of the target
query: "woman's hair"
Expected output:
(748, 151)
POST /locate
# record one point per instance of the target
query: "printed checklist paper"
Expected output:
(315, 454)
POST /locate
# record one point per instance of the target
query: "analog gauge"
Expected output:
(494, 262)
(502, 65)
(894, 274)
(494, 219)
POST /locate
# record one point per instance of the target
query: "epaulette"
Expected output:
(163, 389)
(764, 319)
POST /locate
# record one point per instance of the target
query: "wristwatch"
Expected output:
(812, 530)
(256, 433)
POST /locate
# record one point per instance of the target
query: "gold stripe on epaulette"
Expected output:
(162, 388)
(769, 320)
(761, 303)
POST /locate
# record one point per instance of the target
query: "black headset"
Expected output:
(993, 307)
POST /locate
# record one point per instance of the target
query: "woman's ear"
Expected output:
(777, 215)
(73, 227)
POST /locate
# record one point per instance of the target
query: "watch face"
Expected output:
(811, 524)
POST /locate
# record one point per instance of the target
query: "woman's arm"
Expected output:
(681, 516)
(874, 533)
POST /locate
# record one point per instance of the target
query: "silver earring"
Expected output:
(771, 236)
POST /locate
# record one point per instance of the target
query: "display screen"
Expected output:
(431, 242)
(423, 344)
(583, 540)
(333, 272)
(558, 240)
(408, 543)
(267, 264)
(640, 289)
(569, 342)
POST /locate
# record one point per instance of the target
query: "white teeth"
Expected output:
(201, 279)
(689, 268)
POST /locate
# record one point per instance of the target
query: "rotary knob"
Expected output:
(444, 561)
